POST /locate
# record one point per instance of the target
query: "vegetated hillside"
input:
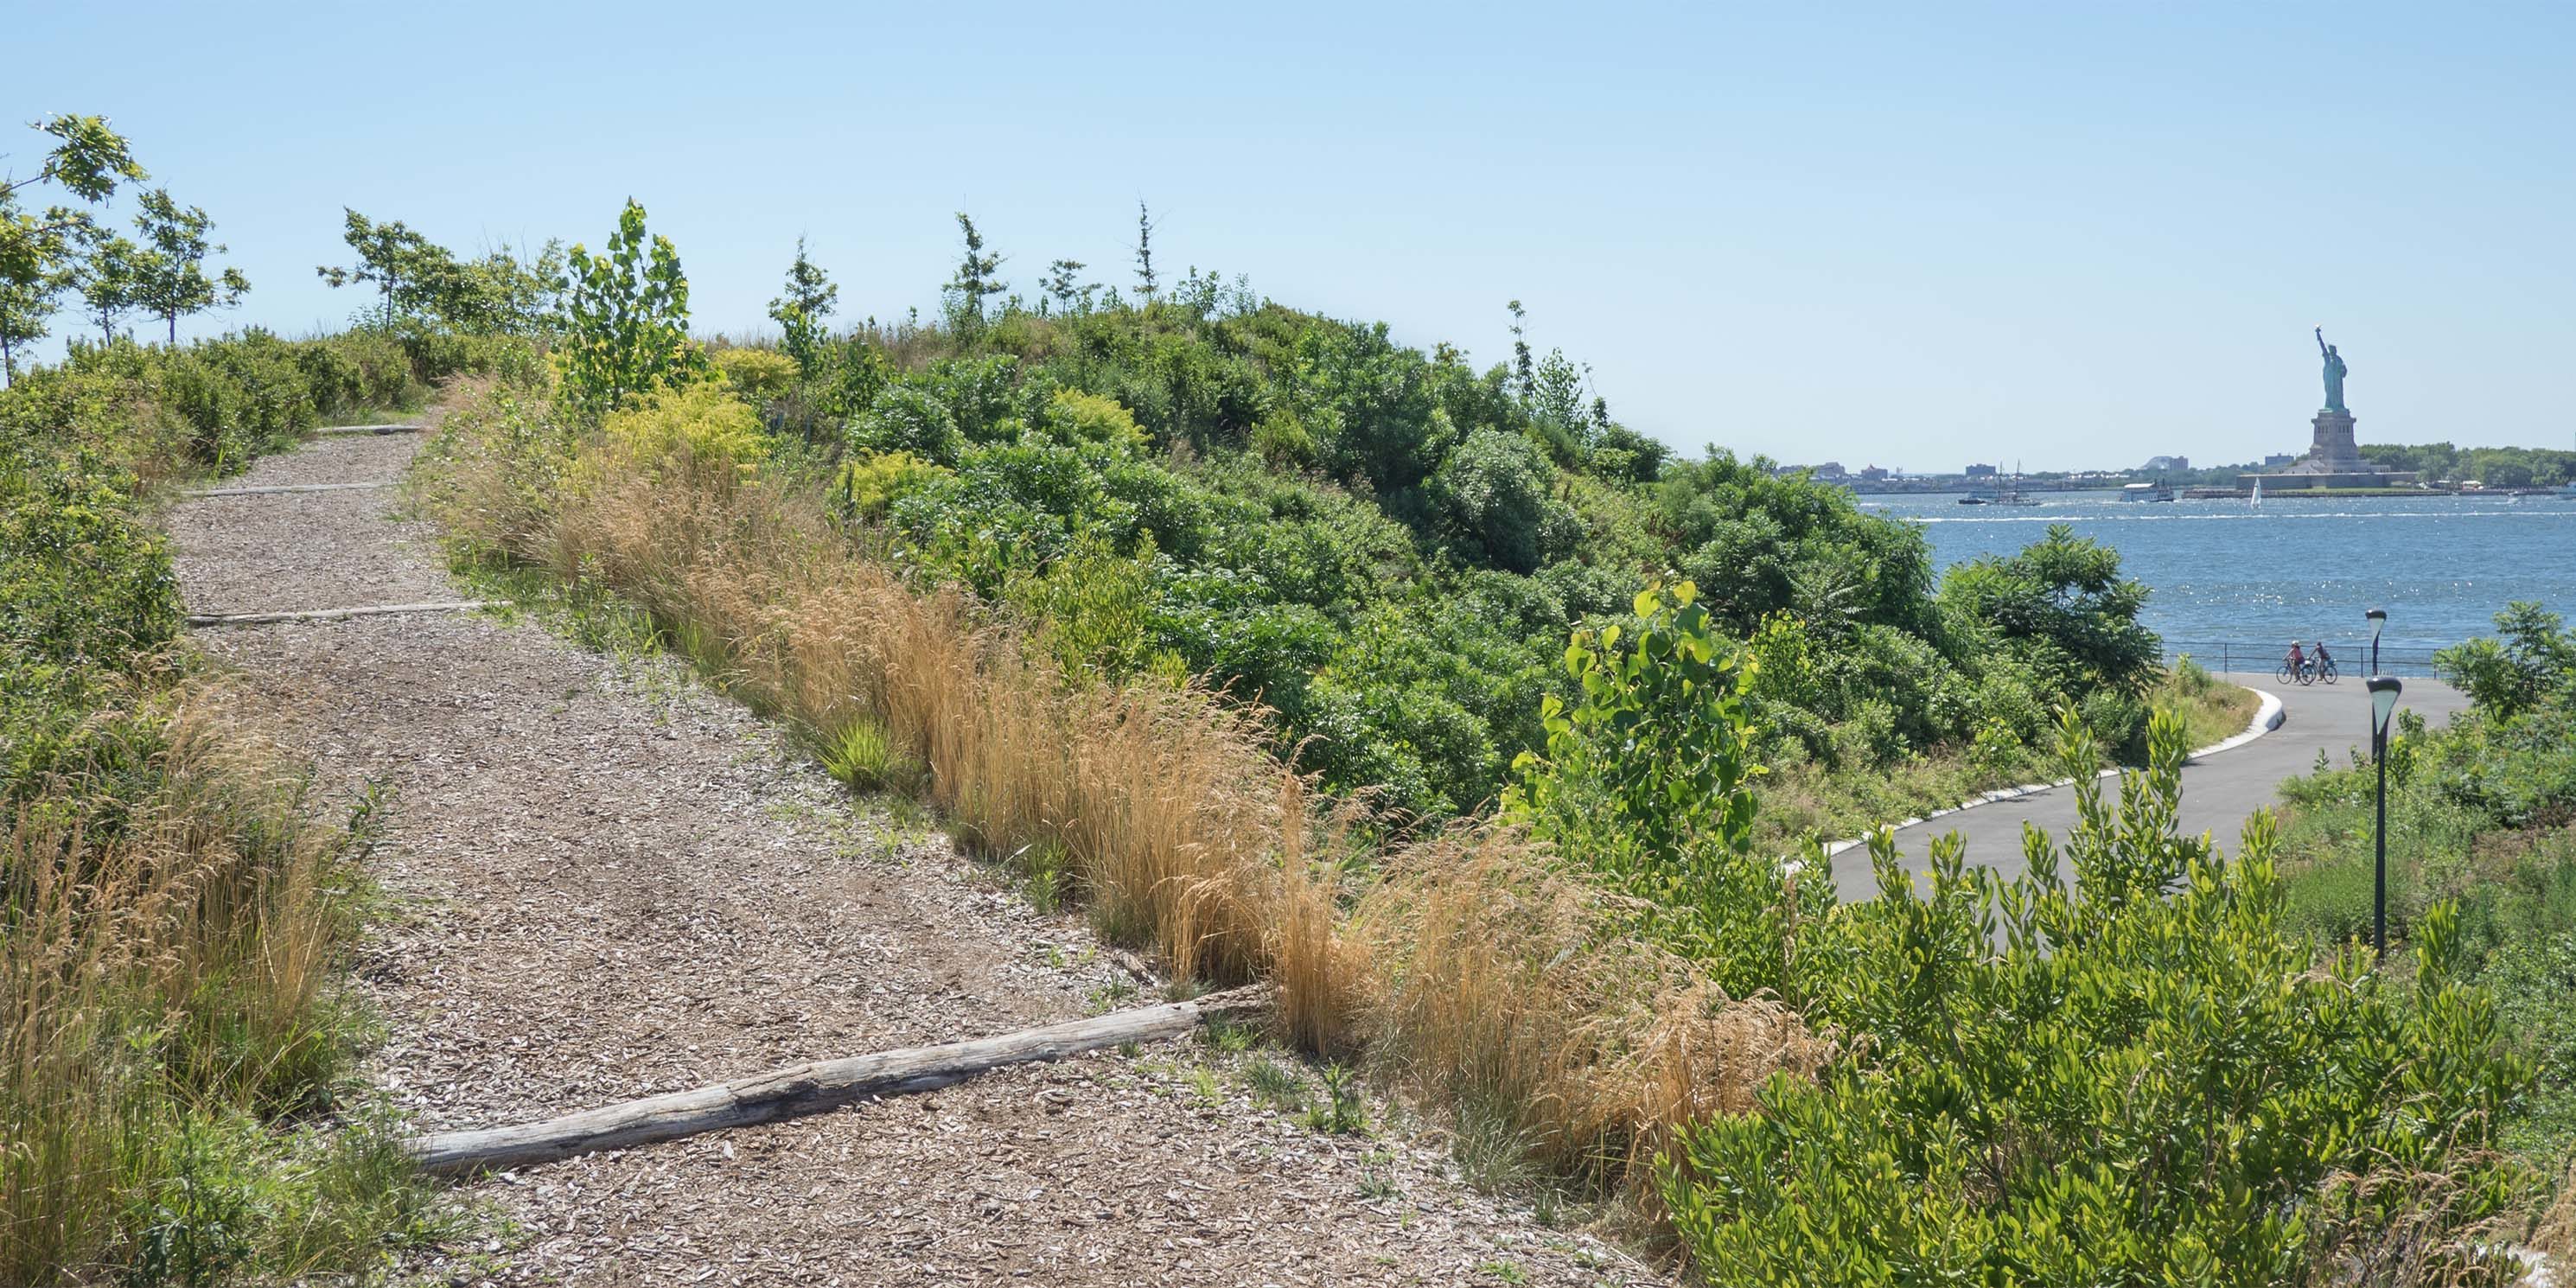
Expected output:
(2135, 1072)
(1388, 546)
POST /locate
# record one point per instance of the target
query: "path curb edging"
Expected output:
(2267, 717)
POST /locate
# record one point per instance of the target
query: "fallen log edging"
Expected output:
(335, 614)
(287, 487)
(812, 1087)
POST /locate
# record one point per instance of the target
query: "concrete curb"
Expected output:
(2267, 717)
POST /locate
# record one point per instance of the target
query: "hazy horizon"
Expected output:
(1912, 239)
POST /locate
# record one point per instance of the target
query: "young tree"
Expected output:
(170, 274)
(407, 268)
(36, 250)
(1524, 367)
(975, 280)
(1070, 293)
(1145, 279)
(800, 308)
(502, 292)
(630, 319)
(107, 274)
(26, 313)
(88, 163)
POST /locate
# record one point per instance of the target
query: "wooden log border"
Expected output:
(335, 614)
(289, 487)
(812, 1087)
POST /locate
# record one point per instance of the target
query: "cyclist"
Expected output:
(2324, 659)
(2297, 661)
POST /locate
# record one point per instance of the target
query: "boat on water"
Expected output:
(2258, 492)
(2147, 492)
(2007, 492)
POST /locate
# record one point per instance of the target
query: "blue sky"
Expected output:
(1913, 235)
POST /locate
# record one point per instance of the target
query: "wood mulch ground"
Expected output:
(610, 882)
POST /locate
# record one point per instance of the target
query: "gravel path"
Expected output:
(611, 882)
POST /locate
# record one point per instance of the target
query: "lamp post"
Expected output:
(2383, 703)
(2378, 618)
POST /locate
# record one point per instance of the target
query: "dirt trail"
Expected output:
(614, 883)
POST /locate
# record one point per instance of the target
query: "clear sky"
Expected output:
(1916, 235)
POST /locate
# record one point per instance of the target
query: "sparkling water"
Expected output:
(2228, 573)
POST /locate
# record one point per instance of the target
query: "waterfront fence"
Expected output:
(2351, 659)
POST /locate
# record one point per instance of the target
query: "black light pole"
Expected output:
(2378, 622)
(2383, 703)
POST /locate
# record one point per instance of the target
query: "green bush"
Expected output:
(2139, 1077)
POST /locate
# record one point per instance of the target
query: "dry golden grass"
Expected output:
(162, 952)
(2556, 1232)
(1466, 967)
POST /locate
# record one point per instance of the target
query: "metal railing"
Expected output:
(2350, 659)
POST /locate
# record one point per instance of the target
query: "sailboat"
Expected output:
(2011, 493)
(2258, 494)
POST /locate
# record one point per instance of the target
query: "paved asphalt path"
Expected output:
(2218, 793)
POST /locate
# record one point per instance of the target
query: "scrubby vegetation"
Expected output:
(2481, 817)
(175, 1048)
(1434, 696)
(960, 558)
(177, 1099)
(1387, 547)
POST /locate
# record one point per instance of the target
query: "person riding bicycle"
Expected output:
(2324, 659)
(2297, 661)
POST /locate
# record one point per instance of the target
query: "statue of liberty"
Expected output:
(2334, 373)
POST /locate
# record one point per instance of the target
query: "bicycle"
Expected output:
(2305, 673)
(2325, 670)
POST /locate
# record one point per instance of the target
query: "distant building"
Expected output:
(2156, 463)
(1830, 470)
(1981, 471)
(2279, 458)
(1872, 473)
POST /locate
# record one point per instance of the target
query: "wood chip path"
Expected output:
(612, 883)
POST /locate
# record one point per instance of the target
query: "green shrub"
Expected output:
(757, 374)
(2138, 1077)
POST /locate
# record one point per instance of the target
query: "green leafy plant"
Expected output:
(1344, 1109)
(2140, 1076)
(801, 308)
(170, 278)
(629, 312)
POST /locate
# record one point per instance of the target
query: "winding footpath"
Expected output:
(609, 882)
(2219, 791)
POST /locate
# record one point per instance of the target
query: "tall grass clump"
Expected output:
(175, 1044)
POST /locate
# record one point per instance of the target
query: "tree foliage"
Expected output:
(975, 280)
(800, 309)
(88, 161)
(2531, 660)
(170, 278)
(629, 332)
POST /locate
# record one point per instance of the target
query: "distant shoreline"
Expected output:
(2211, 493)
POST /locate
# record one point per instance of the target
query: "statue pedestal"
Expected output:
(2333, 461)
(2333, 446)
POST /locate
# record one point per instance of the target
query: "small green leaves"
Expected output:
(629, 320)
